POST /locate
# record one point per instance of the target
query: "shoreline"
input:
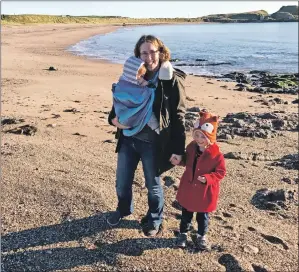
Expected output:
(257, 87)
(114, 27)
(58, 54)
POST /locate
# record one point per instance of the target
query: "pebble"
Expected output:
(251, 249)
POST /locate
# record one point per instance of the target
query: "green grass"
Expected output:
(93, 19)
(228, 15)
(51, 19)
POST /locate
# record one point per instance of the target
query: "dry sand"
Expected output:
(57, 187)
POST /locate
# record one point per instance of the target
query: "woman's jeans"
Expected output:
(201, 218)
(131, 151)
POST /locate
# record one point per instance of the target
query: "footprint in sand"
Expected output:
(219, 218)
(229, 227)
(251, 229)
(271, 239)
(226, 214)
(275, 240)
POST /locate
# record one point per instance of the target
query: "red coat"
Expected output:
(194, 195)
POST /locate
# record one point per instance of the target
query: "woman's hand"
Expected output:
(117, 124)
(175, 159)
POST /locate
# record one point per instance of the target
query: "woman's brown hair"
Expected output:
(164, 51)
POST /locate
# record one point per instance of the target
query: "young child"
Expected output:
(199, 186)
(133, 96)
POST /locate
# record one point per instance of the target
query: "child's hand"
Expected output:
(142, 82)
(202, 179)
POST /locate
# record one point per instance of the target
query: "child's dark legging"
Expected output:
(201, 218)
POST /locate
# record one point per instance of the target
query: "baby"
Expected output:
(133, 96)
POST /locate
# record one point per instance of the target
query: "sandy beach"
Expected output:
(58, 185)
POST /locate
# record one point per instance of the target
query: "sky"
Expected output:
(139, 9)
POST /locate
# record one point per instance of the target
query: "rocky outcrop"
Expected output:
(290, 9)
(265, 82)
(266, 199)
(284, 14)
(237, 17)
(258, 15)
(243, 124)
(259, 125)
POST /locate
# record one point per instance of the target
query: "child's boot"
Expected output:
(201, 242)
(182, 240)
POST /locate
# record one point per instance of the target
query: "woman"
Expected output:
(158, 152)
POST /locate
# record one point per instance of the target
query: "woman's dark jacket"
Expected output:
(169, 108)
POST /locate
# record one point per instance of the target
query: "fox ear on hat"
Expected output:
(215, 118)
(202, 112)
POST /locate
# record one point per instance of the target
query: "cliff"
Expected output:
(284, 14)
(290, 9)
(258, 15)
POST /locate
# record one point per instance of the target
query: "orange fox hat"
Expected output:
(207, 124)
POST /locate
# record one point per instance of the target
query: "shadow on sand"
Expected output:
(18, 255)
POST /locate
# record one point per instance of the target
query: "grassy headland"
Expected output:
(67, 19)
(284, 14)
